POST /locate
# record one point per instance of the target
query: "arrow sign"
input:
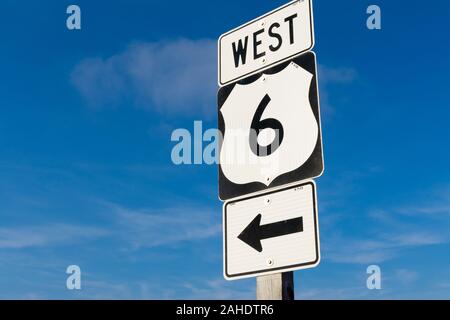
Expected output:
(289, 228)
(255, 232)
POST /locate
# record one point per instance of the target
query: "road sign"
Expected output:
(270, 124)
(275, 37)
(273, 232)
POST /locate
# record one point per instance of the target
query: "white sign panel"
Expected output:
(271, 233)
(271, 129)
(266, 41)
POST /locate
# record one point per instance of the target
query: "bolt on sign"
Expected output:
(275, 37)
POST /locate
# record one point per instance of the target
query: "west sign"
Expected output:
(273, 38)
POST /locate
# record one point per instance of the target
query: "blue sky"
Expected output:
(86, 176)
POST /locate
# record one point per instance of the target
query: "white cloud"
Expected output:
(172, 77)
(217, 289)
(342, 249)
(344, 293)
(186, 288)
(329, 76)
(384, 238)
(436, 209)
(385, 246)
(134, 228)
(46, 235)
(434, 204)
(160, 227)
(416, 238)
(380, 234)
(340, 75)
(406, 276)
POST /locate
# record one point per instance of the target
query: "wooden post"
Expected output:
(279, 286)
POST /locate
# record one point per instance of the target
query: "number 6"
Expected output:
(258, 125)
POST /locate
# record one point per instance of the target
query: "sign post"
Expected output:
(278, 286)
(271, 148)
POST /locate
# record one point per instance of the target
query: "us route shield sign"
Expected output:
(270, 126)
(270, 233)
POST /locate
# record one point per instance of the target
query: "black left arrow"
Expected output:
(255, 232)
